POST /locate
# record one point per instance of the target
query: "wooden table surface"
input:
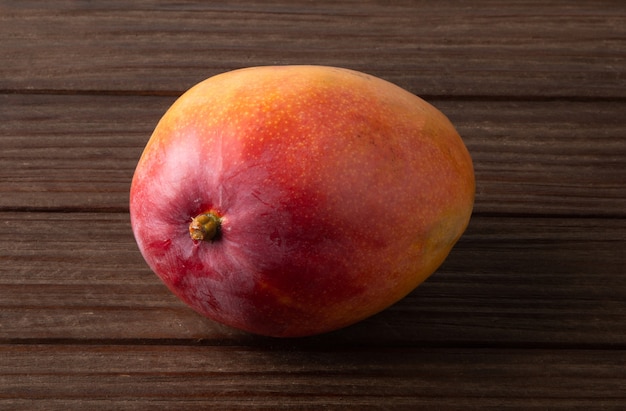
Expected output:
(528, 312)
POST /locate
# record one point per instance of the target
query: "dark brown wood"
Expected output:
(171, 377)
(557, 157)
(529, 48)
(528, 312)
(509, 281)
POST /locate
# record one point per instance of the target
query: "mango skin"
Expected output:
(338, 193)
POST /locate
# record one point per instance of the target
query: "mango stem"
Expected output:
(204, 227)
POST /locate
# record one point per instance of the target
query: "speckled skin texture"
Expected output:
(338, 194)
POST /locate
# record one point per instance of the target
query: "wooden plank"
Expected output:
(139, 377)
(527, 313)
(554, 157)
(545, 157)
(72, 152)
(528, 48)
(509, 282)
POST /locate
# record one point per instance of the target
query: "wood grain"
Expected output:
(175, 377)
(559, 157)
(528, 48)
(528, 312)
(509, 281)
